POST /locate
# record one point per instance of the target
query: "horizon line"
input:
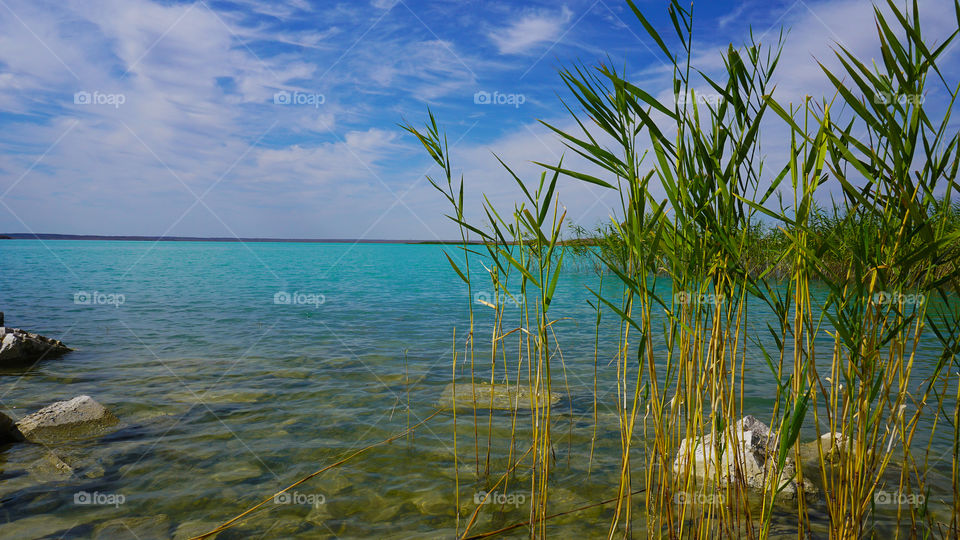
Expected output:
(147, 238)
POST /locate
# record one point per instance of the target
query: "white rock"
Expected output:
(18, 347)
(79, 417)
(748, 455)
(832, 445)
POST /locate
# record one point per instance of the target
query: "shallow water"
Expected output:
(225, 396)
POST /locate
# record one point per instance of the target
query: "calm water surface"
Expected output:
(226, 396)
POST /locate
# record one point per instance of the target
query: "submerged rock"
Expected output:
(18, 347)
(8, 430)
(334, 481)
(501, 396)
(220, 397)
(50, 468)
(79, 417)
(191, 529)
(432, 502)
(319, 515)
(748, 453)
(142, 528)
(236, 472)
(28, 466)
(41, 526)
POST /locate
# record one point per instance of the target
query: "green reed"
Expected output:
(731, 233)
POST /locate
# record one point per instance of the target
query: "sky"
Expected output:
(279, 119)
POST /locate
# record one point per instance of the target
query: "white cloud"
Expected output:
(354, 158)
(383, 4)
(816, 30)
(530, 30)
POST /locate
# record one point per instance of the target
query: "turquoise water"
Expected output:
(226, 396)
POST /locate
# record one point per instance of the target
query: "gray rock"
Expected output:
(8, 430)
(79, 417)
(747, 454)
(18, 347)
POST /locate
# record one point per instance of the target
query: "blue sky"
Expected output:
(279, 119)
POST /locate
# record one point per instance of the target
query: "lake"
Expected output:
(237, 369)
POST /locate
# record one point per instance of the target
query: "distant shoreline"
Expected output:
(44, 236)
(51, 236)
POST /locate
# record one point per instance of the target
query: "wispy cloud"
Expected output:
(531, 29)
(384, 4)
(735, 15)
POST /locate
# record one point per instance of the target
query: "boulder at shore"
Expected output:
(18, 347)
(500, 396)
(79, 417)
(748, 455)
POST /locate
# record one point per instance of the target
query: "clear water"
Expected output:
(225, 396)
